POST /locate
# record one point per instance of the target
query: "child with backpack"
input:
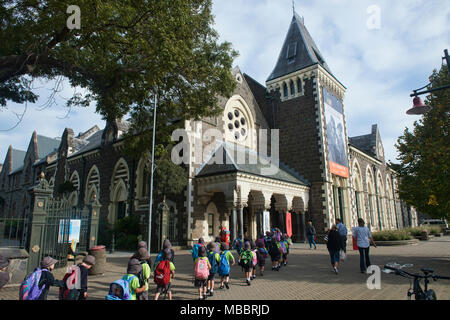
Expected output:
(275, 253)
(287, 243)
(226, 262)
(119, 290)
(196, 247)
(255, 259)
(201, 272)
(143, 256)
(246, 261)
(132, 277)
(164, 273)
(238, 245)
(261, 253)
(37, 284)
(142, 244)
(214, 261)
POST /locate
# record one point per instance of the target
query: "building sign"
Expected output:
(70, 226)
(337, 151)
(266, 221)
(289, 224)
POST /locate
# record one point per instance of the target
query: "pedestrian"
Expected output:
(224, 235)
(196, 247)
(334, 245)
(255, 259)
(364, 239)
(132, 277)
(164, 274)
(201, 272)
(283, 251)
(143, 256)
(226, 262)
(214, 261)
(262, 256)
(166, 245)
(44, 279)
(4, 275)
(275, 253)
(311, 233)
(246, 261)
(238, 244)
(217, 243)
(142, 244)
(267, 239)
(87, 263)
(342, 230)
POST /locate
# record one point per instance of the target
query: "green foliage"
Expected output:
(424, 155)
(127, 233)
(391, 235)
(125, 51)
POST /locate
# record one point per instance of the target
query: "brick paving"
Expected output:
(308, 276)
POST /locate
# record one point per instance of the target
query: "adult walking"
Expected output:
(342, 230)
(364, 239)
(311, 233)
(334, 246)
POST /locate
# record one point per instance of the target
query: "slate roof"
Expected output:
(46, 145)
(239, 159)
(17, 159)
(299, 51)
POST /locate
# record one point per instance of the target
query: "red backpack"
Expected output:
(162, 273)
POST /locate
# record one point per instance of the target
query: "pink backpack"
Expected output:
(255, 259)
(201, 270)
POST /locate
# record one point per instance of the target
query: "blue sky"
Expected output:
(379, 67)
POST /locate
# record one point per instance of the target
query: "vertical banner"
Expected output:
(336, 142)
(266, 221)
(289, 224)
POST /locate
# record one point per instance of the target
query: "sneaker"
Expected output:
(315, 248)
(284, 264)
(208, 290)
(226, 285)
(336, 270)
(211, 293)
(221, 287)
(205, 296)
(248, 282)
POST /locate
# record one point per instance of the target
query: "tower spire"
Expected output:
(293, 7)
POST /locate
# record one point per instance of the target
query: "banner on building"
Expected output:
(266, 221)
(337, 150)
(289, 224)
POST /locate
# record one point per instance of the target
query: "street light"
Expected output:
(418, 106)
(155, 106)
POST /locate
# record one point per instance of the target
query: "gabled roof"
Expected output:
(17, 159)
(46, 146)
(239, 159)
(299, 51)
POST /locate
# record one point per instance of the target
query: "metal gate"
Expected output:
(64, 223)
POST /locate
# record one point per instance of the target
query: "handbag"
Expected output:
(355, 243)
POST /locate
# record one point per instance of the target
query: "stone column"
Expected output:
(94, 217)
(41, 195)
(233, 222)
(241, 221)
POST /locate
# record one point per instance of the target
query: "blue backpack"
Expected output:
(224, 267)
(124, 290)
(213, 262)
(29, 289)
(194, 251)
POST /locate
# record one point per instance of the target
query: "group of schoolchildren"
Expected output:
(216, 258)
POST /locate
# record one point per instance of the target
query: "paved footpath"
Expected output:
(308, 276)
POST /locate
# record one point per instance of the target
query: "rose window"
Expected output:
(237, 125)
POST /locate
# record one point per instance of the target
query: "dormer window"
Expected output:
(291, 52)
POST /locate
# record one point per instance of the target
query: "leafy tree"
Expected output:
(425, 154)
(124, 52)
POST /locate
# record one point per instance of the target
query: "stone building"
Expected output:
(278, 150)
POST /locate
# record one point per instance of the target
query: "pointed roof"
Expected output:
(299, 51)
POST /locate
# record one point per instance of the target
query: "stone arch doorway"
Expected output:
(118, 207)
(212, 222)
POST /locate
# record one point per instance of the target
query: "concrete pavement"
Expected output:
(308, 276)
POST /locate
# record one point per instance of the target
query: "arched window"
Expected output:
(299, 86)
(285, 90)
(292, 84)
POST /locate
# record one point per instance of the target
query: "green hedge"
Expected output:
(391, 235)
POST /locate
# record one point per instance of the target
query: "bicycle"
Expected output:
(415, 288)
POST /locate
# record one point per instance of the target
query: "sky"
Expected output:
(381, 50)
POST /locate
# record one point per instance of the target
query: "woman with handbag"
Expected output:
(364, 239)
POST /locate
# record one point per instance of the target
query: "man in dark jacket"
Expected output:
(311, 233)
(334, 245)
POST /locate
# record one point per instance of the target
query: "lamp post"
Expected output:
(418, 106)
(155, 106)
